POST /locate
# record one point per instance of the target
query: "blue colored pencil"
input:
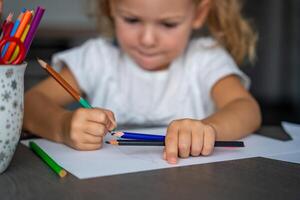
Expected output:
(139, 136)
(160, 139)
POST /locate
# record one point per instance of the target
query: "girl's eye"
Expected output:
(169, 24)
(131, 20)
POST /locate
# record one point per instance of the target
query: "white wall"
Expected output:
(62, 14)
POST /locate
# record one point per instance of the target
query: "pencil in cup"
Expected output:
(7, 21)
(162, 143)
(13, 32)
(17, 50)
(38, 14)
(47, 159)
(18, 34)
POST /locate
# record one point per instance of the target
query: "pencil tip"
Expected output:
(118, 134)
(41, 62)
(9, 17)
(112, 142)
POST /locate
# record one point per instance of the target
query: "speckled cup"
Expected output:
(11, 110)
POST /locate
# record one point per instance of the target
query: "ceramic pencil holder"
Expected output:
(11, 110)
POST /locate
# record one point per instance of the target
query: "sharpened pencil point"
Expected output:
(118, 134)
(10, 17)
(113, 142)
(41, 62)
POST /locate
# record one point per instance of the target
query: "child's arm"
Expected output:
(238, 115)
(45, 116)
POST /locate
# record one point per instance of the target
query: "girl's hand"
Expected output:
(187, 137)
(84, 129)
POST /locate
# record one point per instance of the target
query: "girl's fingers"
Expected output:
(171, 146)
(102, 116)
(197, 141)
(184, 143)
(188, 137)
(91, 139)
(89, 146)
(85, 141)
(97, 115)
(209, 140)
(95, 129)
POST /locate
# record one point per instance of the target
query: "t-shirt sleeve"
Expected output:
(216, 65)
(84, 62)
(210, 64)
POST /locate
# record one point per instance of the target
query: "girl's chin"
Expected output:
(152, 66)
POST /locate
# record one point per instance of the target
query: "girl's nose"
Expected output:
(148, 37)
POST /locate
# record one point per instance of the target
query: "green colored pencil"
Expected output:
(47, 159)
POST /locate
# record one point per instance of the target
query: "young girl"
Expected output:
(154, 73)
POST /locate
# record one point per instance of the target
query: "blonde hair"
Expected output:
(224, 21)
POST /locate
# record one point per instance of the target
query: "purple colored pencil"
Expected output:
(33, 27)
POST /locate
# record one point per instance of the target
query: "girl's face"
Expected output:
(154, 32)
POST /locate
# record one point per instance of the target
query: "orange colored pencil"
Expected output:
(23, 37)
(64, 84)
(59, 79)
(84, 103)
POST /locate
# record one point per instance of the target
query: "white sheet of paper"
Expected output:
(112, 160)
(294, 131)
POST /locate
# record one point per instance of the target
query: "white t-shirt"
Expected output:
(112, 80)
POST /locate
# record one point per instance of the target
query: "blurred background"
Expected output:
(275, 76)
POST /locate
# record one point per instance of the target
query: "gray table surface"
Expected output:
(257, 178)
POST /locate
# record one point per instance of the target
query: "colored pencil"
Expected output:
(23, 37)
(64, 84)
(23, 23)
(33, 27)
(12, 33)
(161, 138)
(162, 143)
(8, 29)
(138, 136)
(17, 50)
(7, 21)
(135, 143)
(47, 159)
(84, 103)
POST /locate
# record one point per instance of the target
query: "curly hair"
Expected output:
(225, 23)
